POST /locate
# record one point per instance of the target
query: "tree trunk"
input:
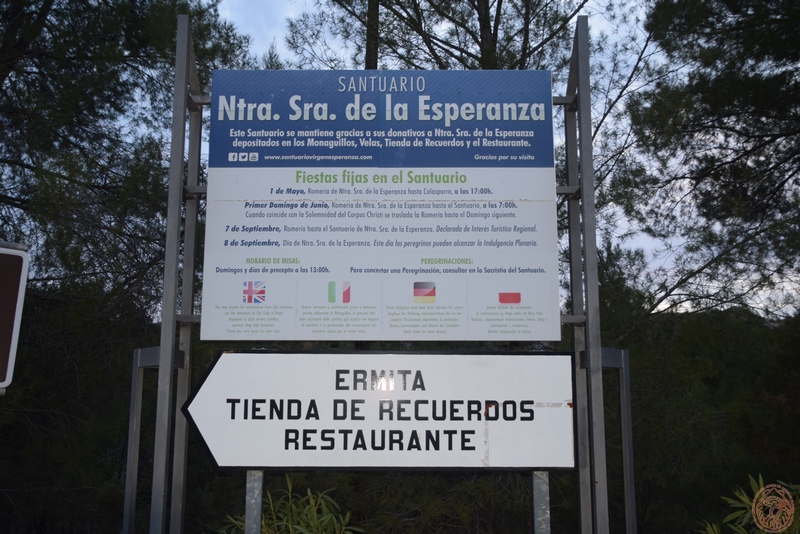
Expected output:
(373, 35)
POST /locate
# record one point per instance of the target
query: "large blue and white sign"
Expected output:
(381, 205)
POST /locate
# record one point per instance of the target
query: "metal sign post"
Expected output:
(187, 99)
(584, 288)
(587, 366)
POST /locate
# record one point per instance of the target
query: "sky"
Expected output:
(263, 20)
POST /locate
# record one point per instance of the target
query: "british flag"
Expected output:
(254, 293)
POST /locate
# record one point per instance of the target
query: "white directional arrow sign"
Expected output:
(287, 410)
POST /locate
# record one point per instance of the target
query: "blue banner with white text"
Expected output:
(381, 119)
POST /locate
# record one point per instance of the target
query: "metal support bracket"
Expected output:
(618, 359)
(145, 358)
(573, 319)
(569, 102)
(199, 101)
(187, 319)
(571, 191)
(195, 191)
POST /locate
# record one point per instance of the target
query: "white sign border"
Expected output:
(377, 354)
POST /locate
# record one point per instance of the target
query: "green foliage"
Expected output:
(714, 395)
(293, 513)
(435, 34)
(435, 503)
(63, 421)
(723, 177)
(741, 519)
(85, 103)
(86, 100)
